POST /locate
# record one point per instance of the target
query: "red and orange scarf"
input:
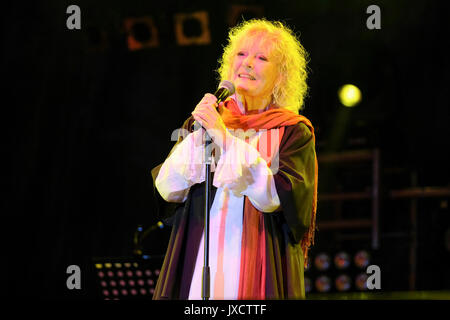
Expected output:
(253, 249)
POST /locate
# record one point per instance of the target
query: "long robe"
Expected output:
(284, 228)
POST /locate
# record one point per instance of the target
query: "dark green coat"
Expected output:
(285, 228)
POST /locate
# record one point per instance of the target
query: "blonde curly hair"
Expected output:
(291, 59)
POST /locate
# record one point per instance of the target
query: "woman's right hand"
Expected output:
(206, 113)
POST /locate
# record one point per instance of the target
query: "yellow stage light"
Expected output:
(349, 95)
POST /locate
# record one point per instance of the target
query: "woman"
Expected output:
(265, 177)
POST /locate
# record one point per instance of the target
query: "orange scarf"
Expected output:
(253, 248)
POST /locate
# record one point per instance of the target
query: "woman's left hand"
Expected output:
(206, 113)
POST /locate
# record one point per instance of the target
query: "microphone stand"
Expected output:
(225, 89)
(207, 207)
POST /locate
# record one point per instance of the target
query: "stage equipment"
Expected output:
(141, 33)
(192, 28)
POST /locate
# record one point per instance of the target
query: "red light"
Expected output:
(322, 261)
(362, 259)
(323, 284)
(361, 281)
(343, 282)
(342, 260)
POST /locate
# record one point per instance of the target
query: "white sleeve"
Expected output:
(242, 170)
(183, 168)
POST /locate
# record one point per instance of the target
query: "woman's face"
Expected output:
(254, 71)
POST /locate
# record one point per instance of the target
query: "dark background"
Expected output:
(86, 119)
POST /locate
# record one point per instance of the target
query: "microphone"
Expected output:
(224, 90)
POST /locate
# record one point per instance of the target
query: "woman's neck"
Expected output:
(249, 104)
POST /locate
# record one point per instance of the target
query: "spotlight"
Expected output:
(322, 261)
(192, 28)
(342, 260)
(362, 259)
(323, 284)
(141, 33)
(361, 281)
(349, 95)
(343, 283)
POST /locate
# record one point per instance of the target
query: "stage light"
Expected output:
(192, 28)
(343, 282)
(361, 281)
(127, 279)
(141, 33)
(362, 259)
(344, 273)
(323, 284)
(342, 260)
(349, 95)
(322, 261)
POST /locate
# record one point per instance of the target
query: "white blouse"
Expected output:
(241, 171)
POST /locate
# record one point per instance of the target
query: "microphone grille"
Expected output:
(227, 85)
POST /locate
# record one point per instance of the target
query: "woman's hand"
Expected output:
(206, 113)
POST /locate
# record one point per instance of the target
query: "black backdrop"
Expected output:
(84, 126)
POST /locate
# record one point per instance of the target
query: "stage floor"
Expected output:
(380, 295)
